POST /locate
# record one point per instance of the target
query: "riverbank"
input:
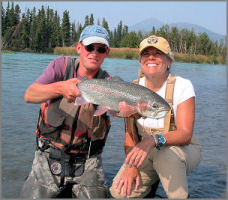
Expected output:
(132, 53)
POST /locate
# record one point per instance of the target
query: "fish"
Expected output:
(107, 94)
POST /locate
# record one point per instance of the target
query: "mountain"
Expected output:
(199, 29)
(147, 25)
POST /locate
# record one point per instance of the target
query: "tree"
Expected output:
(50, 23)
(73, 33)
(25, 33)
(56, 37)
(17, 14)
(119, 33)
(86, 21)
(79, 30)
(203, 44)
(7, 17)
(130, 40)
(33, 28)
(3, 21)
(66, 28)
(41, 37)
(105, 25)
(174, 42)
(91, 20)
(153, 32)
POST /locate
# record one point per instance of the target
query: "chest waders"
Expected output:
(71, 133)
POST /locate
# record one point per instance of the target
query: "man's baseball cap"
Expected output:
(94, 34)
(159, 43)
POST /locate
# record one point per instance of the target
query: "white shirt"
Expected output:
(183, 90)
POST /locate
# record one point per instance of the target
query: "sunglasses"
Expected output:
(91, 48)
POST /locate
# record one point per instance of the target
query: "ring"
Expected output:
(137, 158)
(121, 180)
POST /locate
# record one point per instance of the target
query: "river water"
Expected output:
(19, 70)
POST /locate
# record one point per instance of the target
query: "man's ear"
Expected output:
(78, 47)
(107, 52)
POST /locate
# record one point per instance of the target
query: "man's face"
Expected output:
(92, 56)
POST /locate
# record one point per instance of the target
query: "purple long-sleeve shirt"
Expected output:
(53, 72)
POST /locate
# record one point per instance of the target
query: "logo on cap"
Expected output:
(99, 31)
(152, 40)
(56, 168)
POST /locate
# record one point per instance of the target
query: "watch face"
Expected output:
(161, 140)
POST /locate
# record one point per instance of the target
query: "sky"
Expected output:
(209, 14)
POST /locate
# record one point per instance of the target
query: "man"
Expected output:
(69, 138)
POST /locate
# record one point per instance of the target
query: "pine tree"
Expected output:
(66, 28)
(3, 28)
(41, 38)
(17, 14)
(91, 20)
(79, 30)
(130, 40)
(24, 33)
(33, 27)
(56, 38)
(73, 33)
(86, 21)
(105, 25)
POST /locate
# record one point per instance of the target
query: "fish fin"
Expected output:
(122, 114)
(116, 79)
(100, 110)
(80, 101)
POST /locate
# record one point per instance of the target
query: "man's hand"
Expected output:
(70, 90)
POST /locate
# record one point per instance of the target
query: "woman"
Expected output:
(163, 149)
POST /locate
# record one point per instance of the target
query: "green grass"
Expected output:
(132, 53)
(7, 51)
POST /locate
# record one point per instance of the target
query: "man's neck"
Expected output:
(82, 72)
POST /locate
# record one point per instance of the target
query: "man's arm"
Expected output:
(38, 93)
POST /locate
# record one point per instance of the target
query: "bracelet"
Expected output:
(155, 140)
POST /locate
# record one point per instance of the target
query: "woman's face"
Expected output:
(154, 62)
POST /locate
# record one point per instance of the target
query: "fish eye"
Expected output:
(155, 105)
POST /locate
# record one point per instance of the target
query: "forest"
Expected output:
(40, 30)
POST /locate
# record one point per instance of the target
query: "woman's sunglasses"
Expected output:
(91, 48)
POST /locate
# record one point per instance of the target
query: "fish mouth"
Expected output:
(160, 114)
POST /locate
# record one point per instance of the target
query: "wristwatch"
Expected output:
(161, 141)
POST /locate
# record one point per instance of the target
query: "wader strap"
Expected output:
(62, 175)
(169, 98)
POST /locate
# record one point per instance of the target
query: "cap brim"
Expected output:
(162, 50)
(94, 39)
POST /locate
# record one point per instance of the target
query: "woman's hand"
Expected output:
(126, 179)
(140, 151)
(126, 110)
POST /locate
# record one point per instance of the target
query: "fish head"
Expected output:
(153, 109)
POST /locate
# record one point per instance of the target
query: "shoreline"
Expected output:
(132, 54)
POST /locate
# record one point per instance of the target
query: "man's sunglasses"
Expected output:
(91, 48)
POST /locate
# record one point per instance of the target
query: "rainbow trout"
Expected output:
(107, 94)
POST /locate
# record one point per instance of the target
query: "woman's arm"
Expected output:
(181, 136)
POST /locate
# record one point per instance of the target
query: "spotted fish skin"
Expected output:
(109, 93)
